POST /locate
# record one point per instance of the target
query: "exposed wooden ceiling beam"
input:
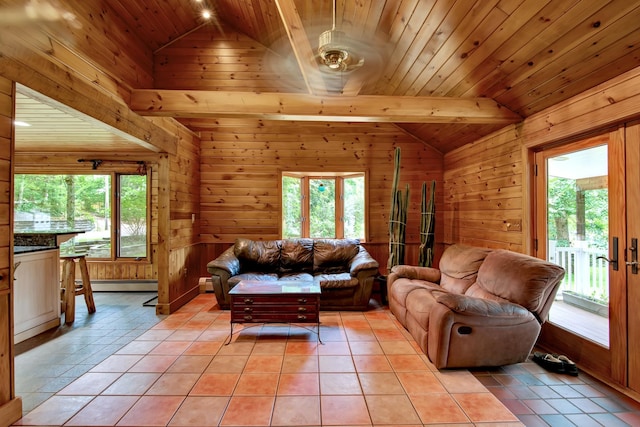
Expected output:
(282, 106)
(300, 44)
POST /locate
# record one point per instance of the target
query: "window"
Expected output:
(84, 202)
(327, 205)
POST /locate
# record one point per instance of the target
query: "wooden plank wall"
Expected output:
(241, 163)
(483, 193)
(487, 182)
(184, 218)
(208, 59)
(10, 405)
(487, 188)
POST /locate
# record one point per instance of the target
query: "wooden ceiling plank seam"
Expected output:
(372, 21)
(443, 43)
(552, 124)
(22, 51)
(430, 79)
(479, 62)
(166, 20)
(32, 42)
(181, 17)
(410, 36)
(510, 6)
(354, 17)
(518, 66)
(417, 138)
(388, 16)
(304, 54)
(273, 30)
(248, 18)
(418, 53)
(106, 32)
(92, 72)
(131, 13)
(573, 85)
(157, 20)
(554, 66)
(261, 23)
(431, 86)
(488, 72)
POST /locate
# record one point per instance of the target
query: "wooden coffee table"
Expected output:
(275, 302)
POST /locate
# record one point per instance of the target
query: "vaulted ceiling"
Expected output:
(469, 66)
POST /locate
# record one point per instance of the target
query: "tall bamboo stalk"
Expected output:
(398, 217)
(427, 226)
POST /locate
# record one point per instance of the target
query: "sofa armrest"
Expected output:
(428, 274)
(226, 263)
(471, 306)
(363, 261)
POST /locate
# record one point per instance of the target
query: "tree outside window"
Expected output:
(83, 202)
(328, 206)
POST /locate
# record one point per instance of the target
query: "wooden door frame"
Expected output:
(608, 364)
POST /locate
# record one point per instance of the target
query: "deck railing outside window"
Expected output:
(586, 274)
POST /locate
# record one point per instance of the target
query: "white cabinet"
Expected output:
(36, 293)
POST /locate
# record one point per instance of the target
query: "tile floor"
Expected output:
(125, 366)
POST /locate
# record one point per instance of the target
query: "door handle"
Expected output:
(634, 256)
(614, 259)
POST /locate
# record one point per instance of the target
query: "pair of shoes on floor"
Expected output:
(559, 364)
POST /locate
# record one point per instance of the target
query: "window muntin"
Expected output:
(80, 202)
(327, 205)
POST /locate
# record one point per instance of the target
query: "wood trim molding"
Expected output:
(10, 412)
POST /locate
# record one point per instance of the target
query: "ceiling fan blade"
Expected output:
(300, 45)
(34, 12)
(338, 64)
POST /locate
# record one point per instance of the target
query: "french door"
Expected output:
(587, 220)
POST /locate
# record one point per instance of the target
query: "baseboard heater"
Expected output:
(124, 285)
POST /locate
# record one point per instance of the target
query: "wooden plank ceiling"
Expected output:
(524, 55)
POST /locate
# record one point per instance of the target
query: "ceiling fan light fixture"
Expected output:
(332, 49)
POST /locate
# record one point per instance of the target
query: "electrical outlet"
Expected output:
(514, 224)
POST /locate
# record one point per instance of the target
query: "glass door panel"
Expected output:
(578, 240)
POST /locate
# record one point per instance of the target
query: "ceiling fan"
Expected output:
(336, 51)
(340, 63)
(34, 12)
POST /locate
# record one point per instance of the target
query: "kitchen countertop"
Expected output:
(51, 238)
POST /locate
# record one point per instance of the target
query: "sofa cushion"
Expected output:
(334, 281)
(334, 255)
(296, 255)
(459, 267)
(519, 278)
(257, 255)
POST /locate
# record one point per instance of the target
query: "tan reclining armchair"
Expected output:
(480, 308)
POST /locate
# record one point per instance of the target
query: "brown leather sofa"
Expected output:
(481, 307)
(343, 268)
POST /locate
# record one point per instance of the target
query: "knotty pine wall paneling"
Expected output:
(208, 59)
(487, 193)
(184, 257)
(483, 193)
(242, 161)
(10, 404)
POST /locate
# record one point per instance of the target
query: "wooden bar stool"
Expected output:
(70, 288)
